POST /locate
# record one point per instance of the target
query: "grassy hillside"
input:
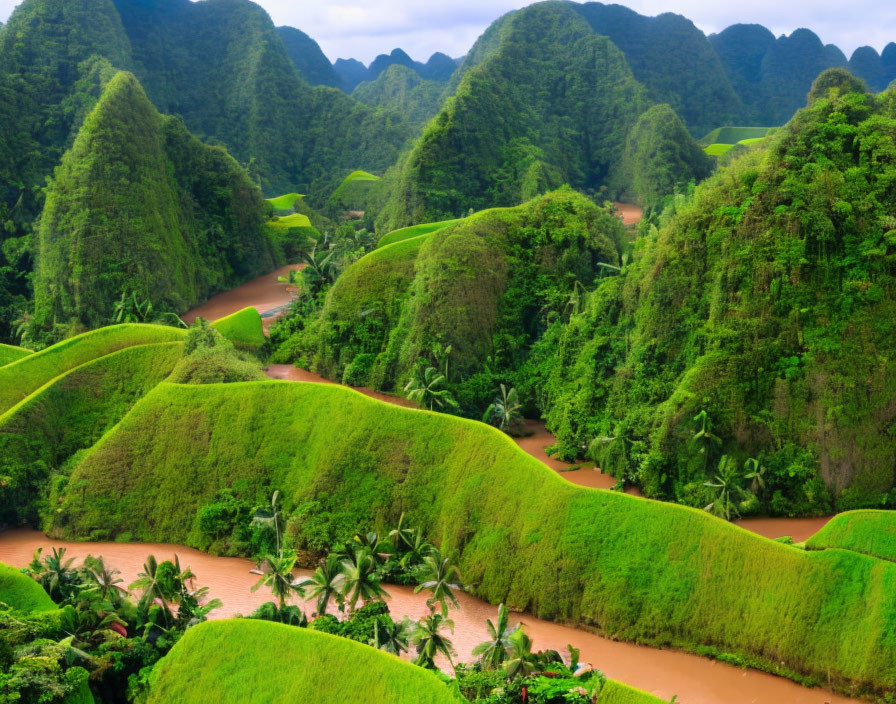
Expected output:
(285, 202)
(68, 414)
(22, 378)
(351, 194)
(718, 149)
(867, 532)
(634, 568)
(483, 285)
(617, 693)
(21, 592)
(10, 354)
(289, 221)
(243, 328)
(407, 233)
(231, 662)
(733, 135)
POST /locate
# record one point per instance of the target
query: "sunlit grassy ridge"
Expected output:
(351, 194)
(257, 662)
(407, 233)
(618, 693)
(21, 378)
(10, 354)
(289, 221)
(286, 201)
(867, 532)
(243, 329)
(636, 569)
(68, 414)
(718, 149)
(733, 135)
(21, 592)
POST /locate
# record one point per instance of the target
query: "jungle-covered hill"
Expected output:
(140, 205)
(752, 324)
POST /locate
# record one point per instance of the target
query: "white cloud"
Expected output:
(364, 28)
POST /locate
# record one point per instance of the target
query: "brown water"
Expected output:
(800, 529)
(662, 672)
(630, 213)
(265, 294)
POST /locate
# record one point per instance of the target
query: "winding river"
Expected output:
(665, 673)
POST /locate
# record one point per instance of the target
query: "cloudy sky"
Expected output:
(364, 28)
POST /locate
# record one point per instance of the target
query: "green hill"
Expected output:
(661, 158)
(766, 303)
(402, 90)
(407, 233)
(307, 57)
(286, 202)
(230, 662)
(733, 135)
(637, 569)
(491, 277)
(22, 593)
(139, 205)
(352, 193)
(866, 532)
(10, 354)
(550, 102)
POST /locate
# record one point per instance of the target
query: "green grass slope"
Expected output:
(256, 662)
(22, 378)
(351, 194)
(718, 149)
(289, 221)
(617, 693)
(868, 532)
(243, 328)
(21, 592)
(69, 414)
(407, 233)
(635, 569)
(285, 202)
(733, 135)
(10, 354)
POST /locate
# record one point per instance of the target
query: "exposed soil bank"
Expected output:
(630, 213)
(694, 679)
(264, 294)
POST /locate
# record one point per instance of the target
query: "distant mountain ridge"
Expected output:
(352, 72)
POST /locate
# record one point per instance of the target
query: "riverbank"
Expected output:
(664, 673)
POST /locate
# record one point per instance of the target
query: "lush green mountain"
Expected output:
(868, 65)
(439, 67)
(552, 102)
(351, 72)
(766, 302)
(401, 90)
(138, 205)
(485, 285)
(661, 157)
(741, 49)
(308, 58)
(398, 57)
(673, 60)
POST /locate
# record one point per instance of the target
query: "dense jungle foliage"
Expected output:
(402, 90)
(139, 205)
(752, 327)
(308, 58)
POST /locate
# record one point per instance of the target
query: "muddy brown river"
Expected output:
(664, 673)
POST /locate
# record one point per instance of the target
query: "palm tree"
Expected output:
(727, 490)
(270, 518)
(361, 581)
(496, 649)
(429, 641)
(279, 579)
(325, 583)
(440, 577)
(54, 572)
(442, 355)
(401, 536)
(755, 472)
(389, 636)
(426, 388)
(519, 662)
(106, 580)
(130, 309)
(417, 548)
(505, 412)
(704, 438)
(148, 582)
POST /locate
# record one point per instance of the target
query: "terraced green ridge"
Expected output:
(718, 149)
(289, 221)
(352, 192)
(21, 592)
(68, 414)
(10, 354)
(733, 135)
(636, 569)
(617, 693)
(243, 328)
(22, 378)
(285, 202)
(868, 532)
(407, 233)
(248, 662)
